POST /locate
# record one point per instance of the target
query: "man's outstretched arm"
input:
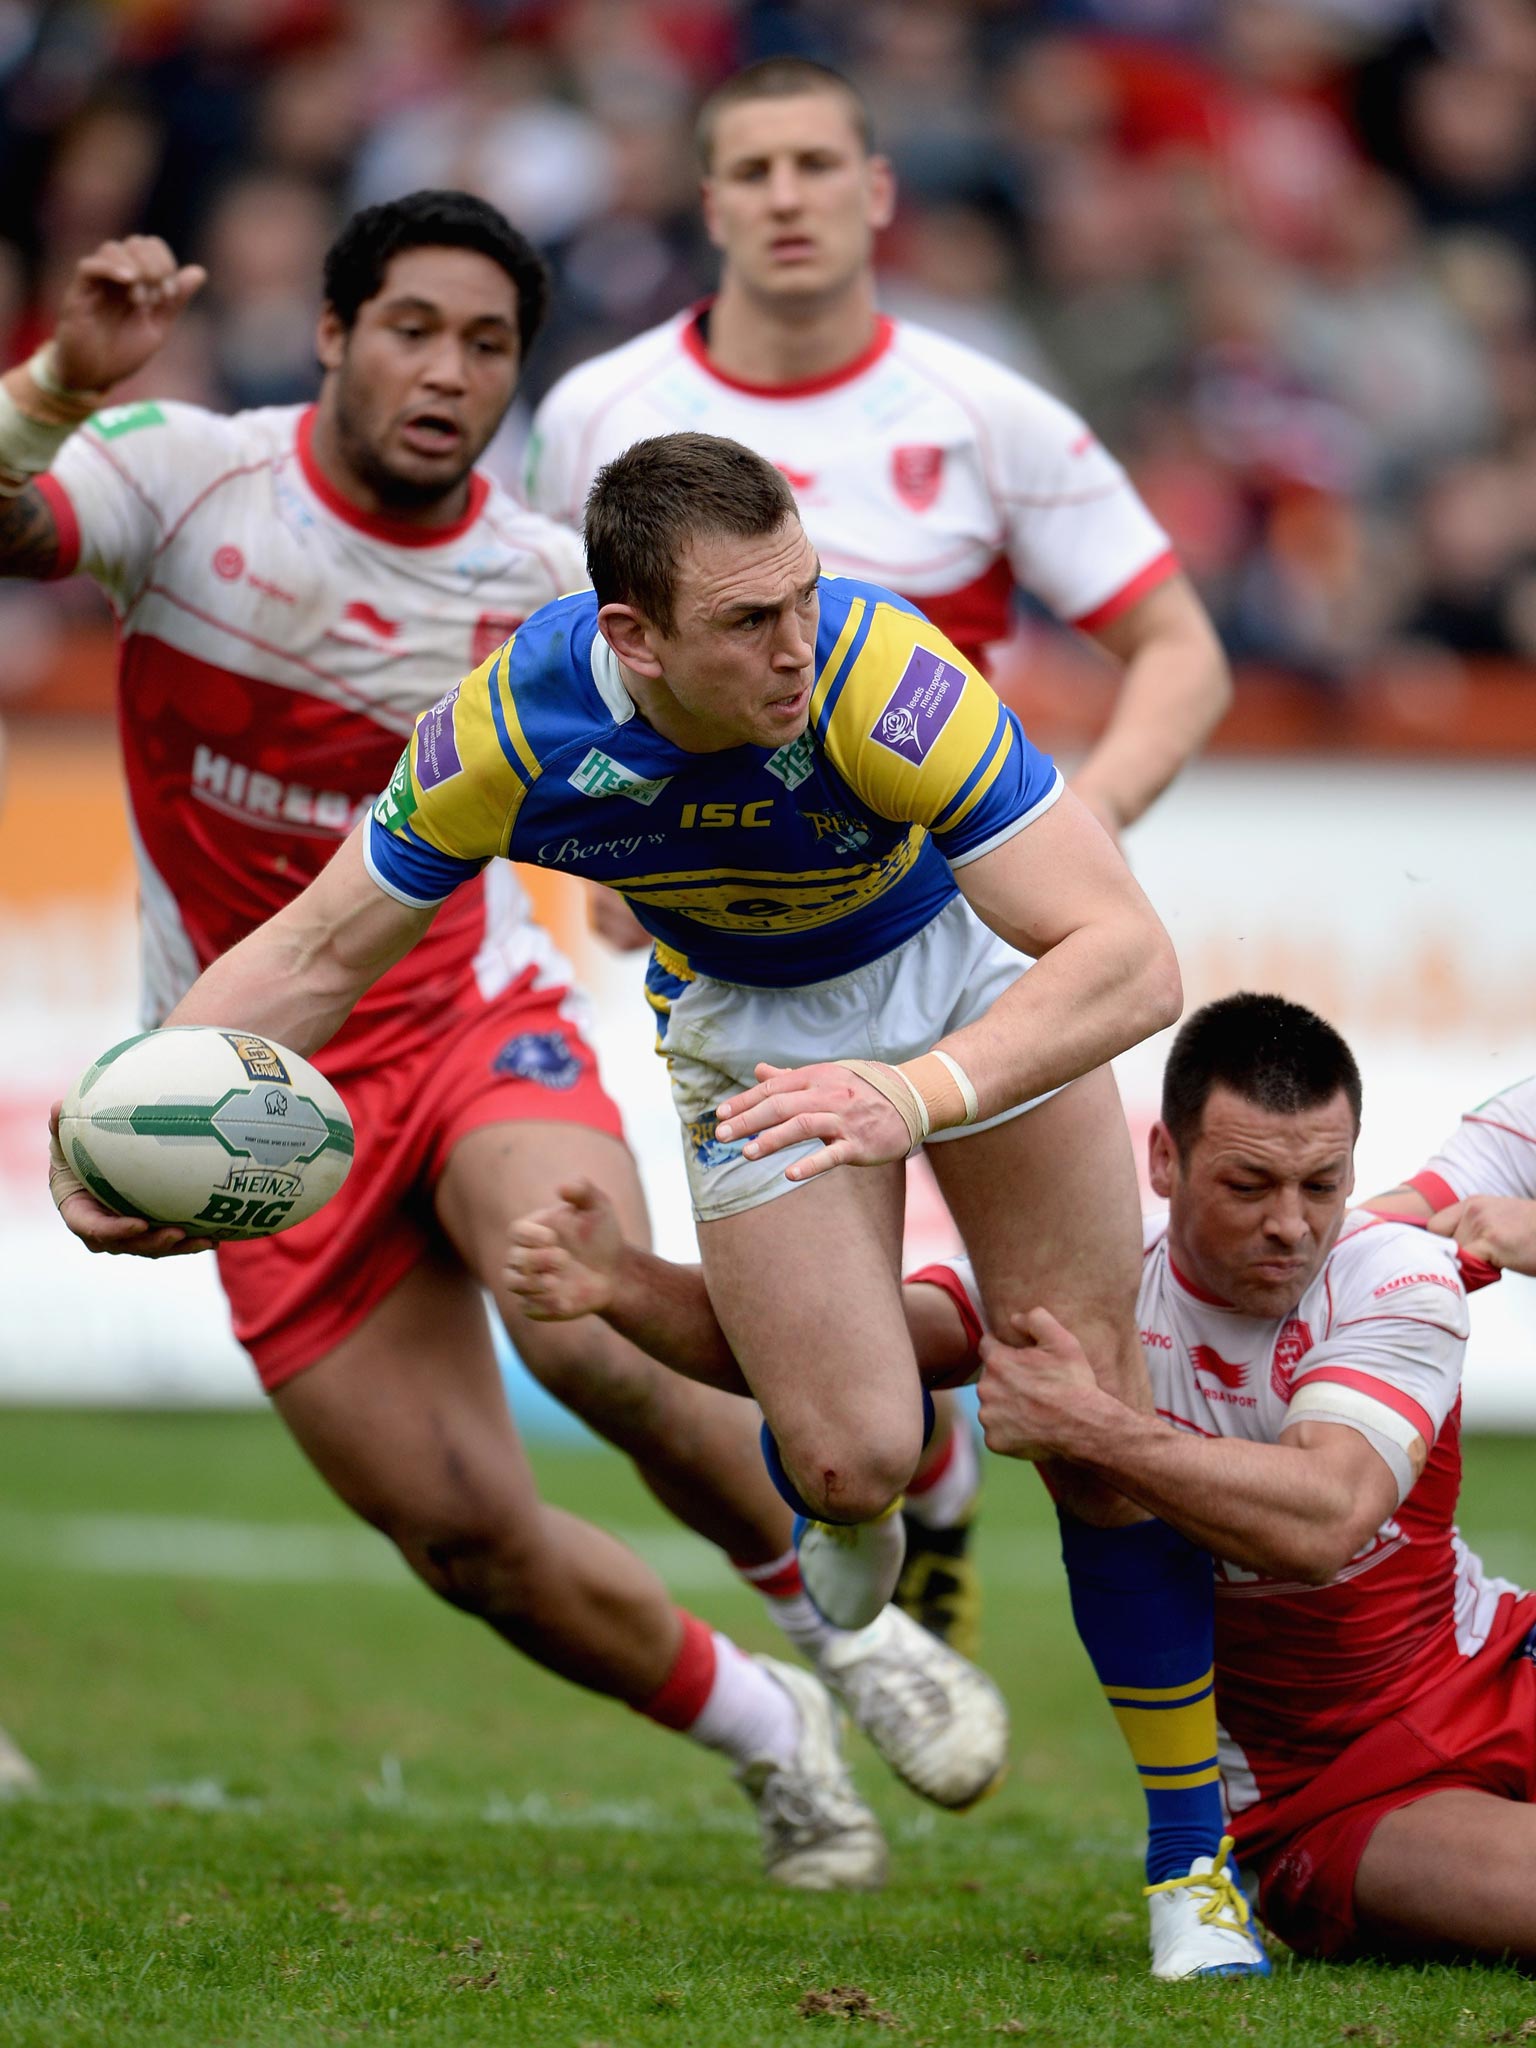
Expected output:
(572, 1259)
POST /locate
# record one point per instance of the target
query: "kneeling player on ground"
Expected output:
(1375, 1686)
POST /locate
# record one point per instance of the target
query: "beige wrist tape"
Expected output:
(945, 1087)
(37, 416)
(898, 1091)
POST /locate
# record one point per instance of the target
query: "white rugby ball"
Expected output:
(223, 1132)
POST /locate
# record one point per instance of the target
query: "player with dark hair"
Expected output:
(1376, 1687)
(290, 585)
(918, 464)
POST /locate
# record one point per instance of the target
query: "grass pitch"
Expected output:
(292, 1800)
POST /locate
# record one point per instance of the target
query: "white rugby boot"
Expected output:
(851, 1569)
(817, 1834)
(939, 1722)
(1202, 1926)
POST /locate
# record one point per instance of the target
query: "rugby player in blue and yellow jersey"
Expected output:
(848, 855)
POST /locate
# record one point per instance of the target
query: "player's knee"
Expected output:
(486, 1564)
(861, 1483)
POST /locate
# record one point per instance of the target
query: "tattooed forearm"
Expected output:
(29, 538)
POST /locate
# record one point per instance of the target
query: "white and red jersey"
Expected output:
(921, 465)
(1375, 1344)
(1492, 1151)
(277, 646)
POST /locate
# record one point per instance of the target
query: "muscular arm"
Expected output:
(1175, 691)
(297, 976)
(1296, 1509)
(1105, 975)
(572, 1260)
(29, 535)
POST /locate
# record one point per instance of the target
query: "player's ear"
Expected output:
(707, 208)
(882, 193)
(1162, 1158)
(330, 339)
(628, 634)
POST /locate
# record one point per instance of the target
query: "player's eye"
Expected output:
(750, 621)
(409, 330)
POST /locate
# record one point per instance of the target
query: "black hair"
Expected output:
(356, 261)
(1270, 1052)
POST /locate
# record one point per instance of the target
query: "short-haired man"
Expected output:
(292, 585)
(842, 845)
(1375, 1687)
(916, 462)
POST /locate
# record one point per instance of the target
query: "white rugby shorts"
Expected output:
(713, 1033)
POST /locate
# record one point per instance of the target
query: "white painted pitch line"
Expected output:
(313, 1553)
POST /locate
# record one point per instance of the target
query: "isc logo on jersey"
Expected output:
(222, 1132)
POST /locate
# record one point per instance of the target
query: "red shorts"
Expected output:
(1476, 1729)
(516, 1059)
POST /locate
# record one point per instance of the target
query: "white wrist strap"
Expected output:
(898, 1091)
(37, 416)
(962, 1081)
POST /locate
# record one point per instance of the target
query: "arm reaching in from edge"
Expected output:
(120, 304)
(295, 978)
(572, 1260)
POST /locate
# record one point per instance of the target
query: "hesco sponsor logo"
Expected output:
(919, 707)
(232, 786)
(260, 1060)
(398, 801)
(600, 775)
(793, 764)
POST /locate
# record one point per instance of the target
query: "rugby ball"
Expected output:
(223, 1132)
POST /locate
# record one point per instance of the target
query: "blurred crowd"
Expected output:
(1282, 253)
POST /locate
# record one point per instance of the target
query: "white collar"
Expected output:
(610, 681)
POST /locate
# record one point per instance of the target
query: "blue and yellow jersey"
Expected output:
(771, 868)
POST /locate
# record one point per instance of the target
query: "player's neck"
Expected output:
(661, 710)
(327, 449)
(773, 341)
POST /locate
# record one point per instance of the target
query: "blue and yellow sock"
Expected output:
(1143, 1602)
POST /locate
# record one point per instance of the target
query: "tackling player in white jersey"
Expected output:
(291, 586)
(1375, 1685)
(918, 464)
(1480, 1187)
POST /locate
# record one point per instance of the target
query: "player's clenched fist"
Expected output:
(855, 1122)
(121, 303)
(1498, 1228)
(563, 1261)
